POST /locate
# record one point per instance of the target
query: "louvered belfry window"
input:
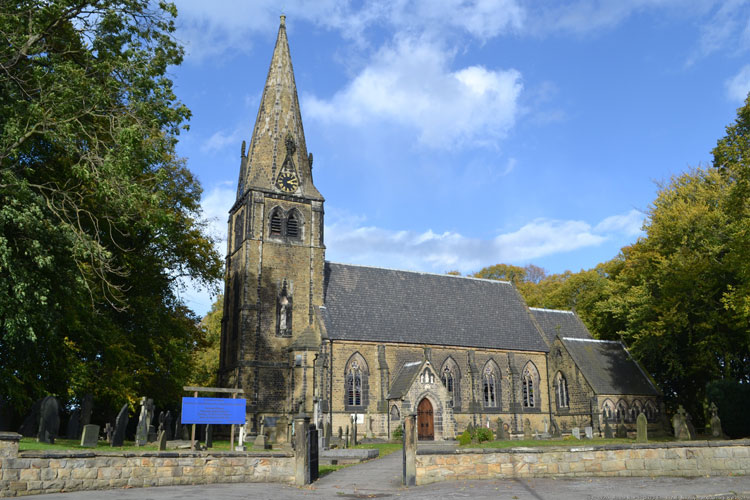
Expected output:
(292, 226)
(276, 224)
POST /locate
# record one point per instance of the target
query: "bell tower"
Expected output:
(275, 257)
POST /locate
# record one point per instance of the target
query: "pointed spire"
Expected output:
(277, 127)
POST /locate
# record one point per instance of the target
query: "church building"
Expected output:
(342, 342)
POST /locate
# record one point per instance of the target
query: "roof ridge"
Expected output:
(593, 340)
(565, 311)
(420, 272)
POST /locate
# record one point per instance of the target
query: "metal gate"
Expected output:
(312, 451)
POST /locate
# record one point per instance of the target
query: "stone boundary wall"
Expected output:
(31, 473)
(690, 458)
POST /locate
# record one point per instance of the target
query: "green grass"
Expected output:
(570, 442)
(29, 444)
(385, 448)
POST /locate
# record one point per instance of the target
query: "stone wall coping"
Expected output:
(10, 436)
(54, 454)
(600, 447)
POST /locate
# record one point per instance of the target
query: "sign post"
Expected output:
(197, 410)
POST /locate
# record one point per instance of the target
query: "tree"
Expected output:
(206, 357)
(100, 221)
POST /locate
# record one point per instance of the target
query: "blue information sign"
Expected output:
(213, 411)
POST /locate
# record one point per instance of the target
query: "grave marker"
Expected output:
(90, 436)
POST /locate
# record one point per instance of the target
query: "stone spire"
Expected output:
(278, 140)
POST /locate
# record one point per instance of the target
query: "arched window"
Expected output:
(275, 227)
(395, 414)
(530, 379)
(292, 225)
(490, 381)
(621, 411)
(563, 398)
(651, 411)
(355, 394)
(608, 410)
(427, 377)
(450, 377)
(636, 409)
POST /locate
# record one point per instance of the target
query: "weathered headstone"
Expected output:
(241, 444)
(168, 425)
(621, 432)
(49, 420)
(121, 424)
(177, 431)
(677, 421)
(30, 425)
(162, 440)
(108, 431)
(528, 432)
(690, 426)
(499, 430)
(576, 432)
(346, 443)
(641, 429)
(162, 416)
(589, 431)
(716, 431)
(141, 432)
(341, 432)
(209, 436)
(87, 407)
(608, 434)
(684, 431)
(90, 436)
(261, 441)
(74, 425)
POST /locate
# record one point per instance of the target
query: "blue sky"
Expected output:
(457, 134)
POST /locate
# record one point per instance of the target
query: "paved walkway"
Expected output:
(382, 479)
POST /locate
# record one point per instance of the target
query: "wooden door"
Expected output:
(425, 425)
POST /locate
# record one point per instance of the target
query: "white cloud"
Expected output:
(216, 205)
(739, 85)
(349, 239)
(221, 139)
(411, 83)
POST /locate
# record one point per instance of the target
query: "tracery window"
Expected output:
(427, 377)
(563, 398)
(530, 380)
(356, 382)
(449, 375)
(621, 411)
(608, 410)
(651, 411)
(489, 385)
(395, 414)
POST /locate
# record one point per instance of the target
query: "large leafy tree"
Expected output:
(99, 219)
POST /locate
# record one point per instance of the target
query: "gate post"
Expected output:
(409, 477)
(301, 455)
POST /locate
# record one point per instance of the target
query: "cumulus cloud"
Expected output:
(221, 139)
(739, 85)
(350, 239)
(411, 83)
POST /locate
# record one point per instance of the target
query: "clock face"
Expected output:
(287, 182)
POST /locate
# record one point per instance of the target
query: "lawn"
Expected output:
(27, 444)
(569, 442)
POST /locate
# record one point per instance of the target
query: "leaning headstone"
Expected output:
(74, 425)
(716, 431)
(108, 431)
(577, 432)
(528, 432)
(90, 436)
(162, 440)
(141, 433)
(209, 436)
(589, 431)
(168, 425)
(621, 432)
(500, 431)
(87, 407)
(608, 434)
(641, 429)
(30, 425)
(121, 424)
(49, 420)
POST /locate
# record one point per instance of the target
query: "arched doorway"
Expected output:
(425, 422)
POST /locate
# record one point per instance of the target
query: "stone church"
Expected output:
(342, 342)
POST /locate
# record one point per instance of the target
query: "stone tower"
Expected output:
(275, 257)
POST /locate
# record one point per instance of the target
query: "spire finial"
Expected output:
(283, 19)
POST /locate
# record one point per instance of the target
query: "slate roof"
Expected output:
(608, 367)
(384, 305)
(556, 322)
(404, 379)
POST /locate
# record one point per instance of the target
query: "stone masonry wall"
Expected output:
(45, 472)
(686, 459)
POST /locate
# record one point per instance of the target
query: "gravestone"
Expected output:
(690, 426)
(177, 431)
(162, 440)
(621, 432)
(162, 416)
(74, 425)
(716, 431)
(30, 425)
(141, 433)
(209, 436)
(641, 428)
(90, 436)
(241, 444)
(528, 432)
(261, 441)
(108, 431)
(500, 431)
(577, 432)
(589, 431)
(684, 431)
(49, 420)
(121, 425)
(677, 421)
(346, 442)
(282, 429)
(608, 434)
(87, 407)
(555, 429)
(341, 432)
(168, 425)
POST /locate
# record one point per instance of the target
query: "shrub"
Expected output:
(464, 438)
(398, 432)
(483, 434)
